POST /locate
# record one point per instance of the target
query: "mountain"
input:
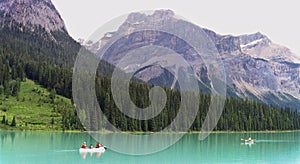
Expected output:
(255, 67)
(31, 13)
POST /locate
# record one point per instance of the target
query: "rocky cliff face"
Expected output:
(255, 66)
(31, 14)
(260, 46)
(278, 67)
(258, 68)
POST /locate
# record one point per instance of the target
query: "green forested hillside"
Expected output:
(35, 108)
(46, 59)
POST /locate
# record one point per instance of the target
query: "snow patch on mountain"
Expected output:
(253, 43)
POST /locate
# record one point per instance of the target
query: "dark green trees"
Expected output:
(238, 114)
(13, 122)
(3, 120)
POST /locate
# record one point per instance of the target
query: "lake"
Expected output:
(62, 147)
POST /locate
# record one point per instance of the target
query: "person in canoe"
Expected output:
(91, 146)
(83, 145)
(249, 140)
(98, 145)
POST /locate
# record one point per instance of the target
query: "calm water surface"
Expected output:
(58, 147)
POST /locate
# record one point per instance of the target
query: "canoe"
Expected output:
(249, 141)
(101, 150)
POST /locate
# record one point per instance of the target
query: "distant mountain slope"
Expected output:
(255, 66)
(260, 46)
(31, 13)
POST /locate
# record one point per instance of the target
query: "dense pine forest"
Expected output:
(48, 58)
(238, 114)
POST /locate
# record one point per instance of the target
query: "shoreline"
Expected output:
(263, 131)
(142, 133)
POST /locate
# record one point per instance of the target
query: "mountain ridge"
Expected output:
(255, 66)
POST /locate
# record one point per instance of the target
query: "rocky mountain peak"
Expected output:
(157, 15)
(260, 46)
(142, 20)
(31, 13)
(253, 41)
(163, 14)
(246, 39)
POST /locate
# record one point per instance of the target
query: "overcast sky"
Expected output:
(279, 20)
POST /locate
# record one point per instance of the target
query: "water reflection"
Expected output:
(136, 144)
(7, 136)
(12, 135)
(83, 154)
(247, 144)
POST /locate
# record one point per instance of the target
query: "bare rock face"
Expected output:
(31, 14)
(255, 66)
(283, 66)
(260, 46)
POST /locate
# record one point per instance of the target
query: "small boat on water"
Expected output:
(248, 140)
(101, 149)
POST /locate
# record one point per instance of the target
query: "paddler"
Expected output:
(91, 146)
(83, 145)
(98, 145)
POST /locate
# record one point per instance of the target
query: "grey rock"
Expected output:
(30, 14)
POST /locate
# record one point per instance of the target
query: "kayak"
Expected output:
(101, 150)
(249, 141)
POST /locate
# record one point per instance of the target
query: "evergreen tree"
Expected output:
(1, 89)
(3, 119)
(13, 122)
(52, 121)
(52, 95)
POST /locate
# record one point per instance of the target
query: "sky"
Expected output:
(279, 20)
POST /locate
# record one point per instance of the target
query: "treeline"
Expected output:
(5, 121)
(238, 114)
(250, 115)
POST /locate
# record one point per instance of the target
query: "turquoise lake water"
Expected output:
(59, 147)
